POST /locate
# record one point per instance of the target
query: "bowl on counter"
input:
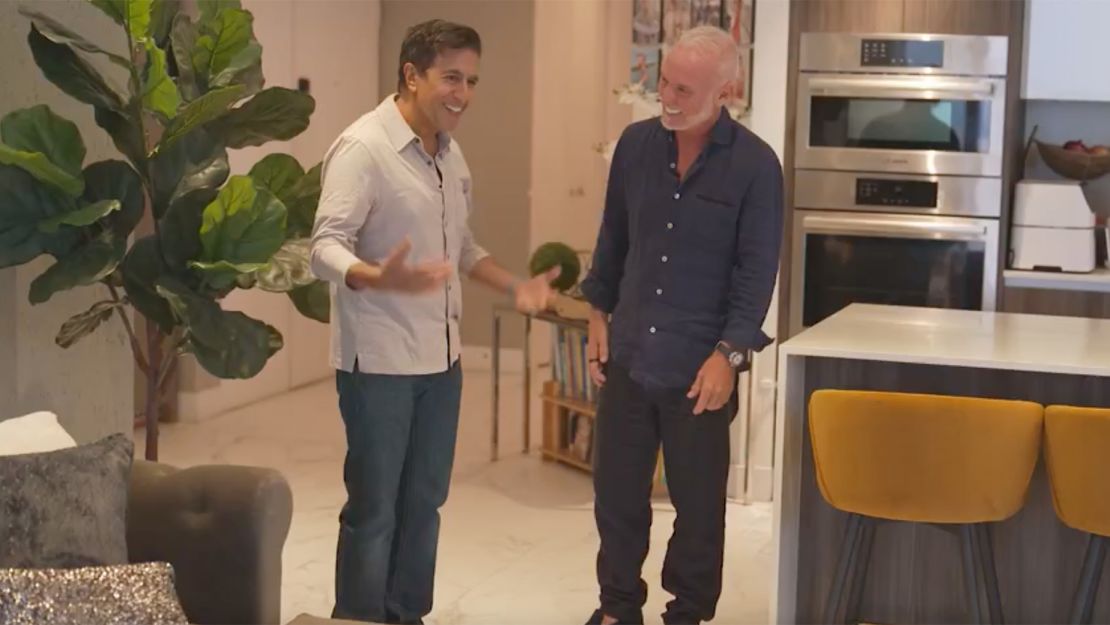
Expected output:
(1073, 164)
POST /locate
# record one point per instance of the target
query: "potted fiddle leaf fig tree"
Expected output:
(165, 231)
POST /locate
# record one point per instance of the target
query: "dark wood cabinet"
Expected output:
(964, 17)
(961, 17)
(848, 15)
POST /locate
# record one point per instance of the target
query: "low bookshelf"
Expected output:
(569, 401)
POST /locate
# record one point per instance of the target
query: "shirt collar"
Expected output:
(398, 130)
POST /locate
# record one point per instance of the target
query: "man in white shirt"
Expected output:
(395, 186)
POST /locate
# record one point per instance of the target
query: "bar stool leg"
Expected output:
(860, 563)
(969, 543)
(1088, 582)
(990, 574)
(837, 593)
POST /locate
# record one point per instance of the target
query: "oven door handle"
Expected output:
(922, 87)
(917, 228)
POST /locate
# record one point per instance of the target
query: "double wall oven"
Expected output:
(897, 181)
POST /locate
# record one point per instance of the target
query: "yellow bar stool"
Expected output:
(954, 462)
(1075, 452)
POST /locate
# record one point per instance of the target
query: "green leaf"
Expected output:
(183, 41)
(303, 200)
(138, 19)
(274, 114)
(223, 275)
(288, 269)
(243, 225)
(125, 134)
(241, 64)
(198, 165)
(24, 203)
(41, 168)
(209, 8)
(72, 74)
(83, 324)
(162, 14)
(313, 301)
(180, 233)
(278, 173)
(38, 129)
(88, 264)
(85, 216)
(223, 37)
(226, 344)
(116, 180)
(141, 268)
(115, 9)
(60, 33)
(200, 111)
(159, 91)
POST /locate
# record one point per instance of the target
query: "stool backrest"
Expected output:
(924, 458)
(1077, 455)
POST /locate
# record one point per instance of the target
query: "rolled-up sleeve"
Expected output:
(346, 199)
(602, 283)
(759, 240)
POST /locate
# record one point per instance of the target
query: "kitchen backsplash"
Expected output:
(1058, 122)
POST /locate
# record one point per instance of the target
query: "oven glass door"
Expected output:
(846, 269)
(942, 263)
(900, 124)
(935, 125)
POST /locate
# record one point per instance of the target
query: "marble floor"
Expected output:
(517, 542)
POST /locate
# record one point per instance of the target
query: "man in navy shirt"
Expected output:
(680, 283)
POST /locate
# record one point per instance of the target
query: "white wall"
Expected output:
(90, 384)
(768, 120)
(333, 43)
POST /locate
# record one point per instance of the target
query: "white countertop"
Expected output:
(961, 338)
(1097, 281)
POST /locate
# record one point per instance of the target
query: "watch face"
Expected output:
(736, 359)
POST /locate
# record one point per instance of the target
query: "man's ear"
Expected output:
(410, 76)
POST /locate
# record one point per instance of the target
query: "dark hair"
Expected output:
(427, 40)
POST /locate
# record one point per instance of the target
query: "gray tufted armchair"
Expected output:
(222, 528)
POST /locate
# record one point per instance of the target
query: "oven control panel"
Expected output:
(893, 192)
(901, 53)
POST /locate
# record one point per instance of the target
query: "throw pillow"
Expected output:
(130, 594)
(38, 431)
(66, 508)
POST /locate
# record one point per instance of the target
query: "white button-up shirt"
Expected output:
(380, 185)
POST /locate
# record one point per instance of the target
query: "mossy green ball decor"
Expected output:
(554, 253)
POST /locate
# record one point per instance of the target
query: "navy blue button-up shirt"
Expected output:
(681, 265)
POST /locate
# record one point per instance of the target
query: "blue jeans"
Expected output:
(400, 448)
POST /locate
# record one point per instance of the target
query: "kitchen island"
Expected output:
(915, 574)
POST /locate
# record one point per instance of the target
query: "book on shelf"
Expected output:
(570, 366)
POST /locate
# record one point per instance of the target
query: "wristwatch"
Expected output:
(735, 357)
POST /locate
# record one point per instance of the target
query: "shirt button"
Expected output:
(664, 259)
(652, 329)
(670, 226)
(658, 291)
(677, 195)
(672, 165)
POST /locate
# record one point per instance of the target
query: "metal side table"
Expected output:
(500, 310)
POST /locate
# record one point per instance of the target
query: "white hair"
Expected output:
(712, 43)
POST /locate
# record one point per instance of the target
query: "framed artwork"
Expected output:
(644, 68)
(738, 19)
(657, 25)
(677, 16)
(647, 23)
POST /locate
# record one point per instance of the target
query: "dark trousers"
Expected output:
(632, 422)
(400, 448)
